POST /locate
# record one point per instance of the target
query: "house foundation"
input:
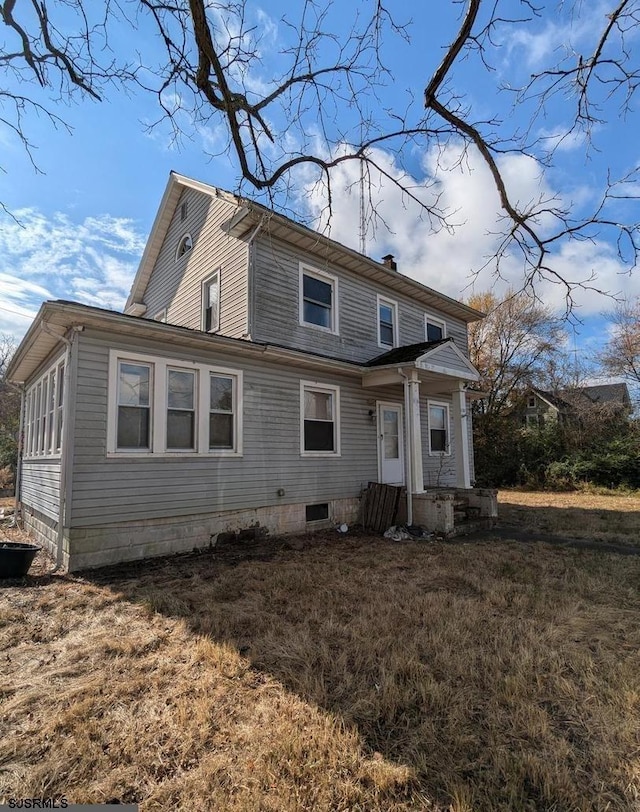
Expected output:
(90, 547)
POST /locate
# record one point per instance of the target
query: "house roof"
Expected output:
(552, 399)
(403, 355)
(609, 393)
(56, 319)
(615, 393)
(251, 215)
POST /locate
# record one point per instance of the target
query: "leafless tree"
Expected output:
(322, 108)
(9, 408)
(621, 354)
(518, 345)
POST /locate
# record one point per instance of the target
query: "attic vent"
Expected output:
(389, 262)
(183, 211)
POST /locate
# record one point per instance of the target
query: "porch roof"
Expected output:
(438, 363)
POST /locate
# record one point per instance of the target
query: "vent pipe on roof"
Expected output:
(389, 262)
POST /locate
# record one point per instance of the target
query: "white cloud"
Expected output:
(554, 40)
(448, 259)
(92, 261)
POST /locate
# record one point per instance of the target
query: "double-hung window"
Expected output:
(387, 323)
(318, 299)
(320, 413)
(222, 409)
(181, 409)
(438, 428)
(211, 303)
(434, 329)
(134, 406)
(163, 406)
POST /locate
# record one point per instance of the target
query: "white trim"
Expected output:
(384, 300)
(203, 291)
(437, 322)
(317, 386)
(158, 407)
(161, 316)
(181, 241)
(445, 406)
(322, 276)
(461, 429)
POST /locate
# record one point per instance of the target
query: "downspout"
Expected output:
(250, 278)
(16, 507)
(409, 445)
(65, 441)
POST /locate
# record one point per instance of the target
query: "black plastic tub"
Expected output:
(16, 558)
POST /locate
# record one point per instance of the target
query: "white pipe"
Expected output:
(16, 506)
(409, 446)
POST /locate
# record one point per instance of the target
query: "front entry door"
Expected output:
(390, 444)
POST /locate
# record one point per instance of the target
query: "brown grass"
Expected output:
(612, 518)
(329, 674)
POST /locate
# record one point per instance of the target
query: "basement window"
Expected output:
(317, 513)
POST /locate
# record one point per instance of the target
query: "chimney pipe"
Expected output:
(389, 262)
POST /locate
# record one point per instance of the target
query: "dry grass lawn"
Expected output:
(334, 673)
(612, 518)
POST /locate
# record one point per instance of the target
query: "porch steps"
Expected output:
(468, 518)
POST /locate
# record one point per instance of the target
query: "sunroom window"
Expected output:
(134, 405)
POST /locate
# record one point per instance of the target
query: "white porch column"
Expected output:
(415, 433)
(460, 422)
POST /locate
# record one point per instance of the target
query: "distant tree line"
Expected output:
(520, 346)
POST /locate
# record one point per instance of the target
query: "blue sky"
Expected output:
(85, 215)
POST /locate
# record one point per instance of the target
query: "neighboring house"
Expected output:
(260, 377)
(541, 407)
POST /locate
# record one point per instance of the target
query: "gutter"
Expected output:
(251, 288)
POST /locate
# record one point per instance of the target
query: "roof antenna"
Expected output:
(363, 218)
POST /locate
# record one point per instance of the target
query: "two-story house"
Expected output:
(260, 377)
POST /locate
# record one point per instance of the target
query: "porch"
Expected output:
(427, 433)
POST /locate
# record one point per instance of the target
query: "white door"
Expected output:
(390, 444)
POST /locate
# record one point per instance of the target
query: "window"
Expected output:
(163, 406)
(134, 406)
(320, 409)
(318, 300)
(387, 322)
(531, 402)
(59, 407)
(181, 410)
(221, 411)
(211, 303)
(434, 329)
(184, 246)
(183, 211)
(43, 413)
(438, 428)
(316, 513)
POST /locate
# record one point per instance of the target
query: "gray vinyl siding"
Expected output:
(176, 285)
(275, 316)
(122, 489)
(40, 486)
